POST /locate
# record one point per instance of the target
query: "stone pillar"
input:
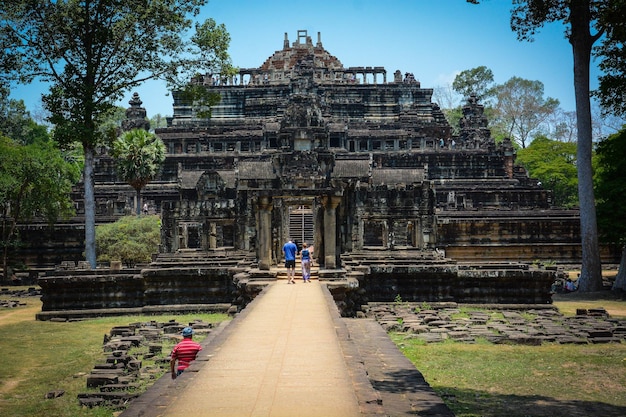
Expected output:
(330, 231)
(318, 234)
(264, 232)
(213, 236)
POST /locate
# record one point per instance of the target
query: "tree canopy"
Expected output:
(521, 108)
(475, 81)
(610, 187)
(94, 51)
(612, 54)
(139, 155)
(35, 181)
(554, 164)
(130, 240)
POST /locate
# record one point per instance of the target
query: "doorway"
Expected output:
(301, 224)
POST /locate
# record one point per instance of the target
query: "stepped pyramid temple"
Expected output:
(358, 162)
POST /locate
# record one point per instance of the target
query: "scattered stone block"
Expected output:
(96, 380)
(54, 394)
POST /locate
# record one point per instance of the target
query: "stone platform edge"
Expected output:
(132, 311)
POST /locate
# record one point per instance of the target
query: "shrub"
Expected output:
(131, 239)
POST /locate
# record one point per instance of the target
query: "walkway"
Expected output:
(288, 354)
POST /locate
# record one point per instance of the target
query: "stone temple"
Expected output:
(357, 162)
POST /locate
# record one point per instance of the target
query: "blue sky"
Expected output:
(433, 39)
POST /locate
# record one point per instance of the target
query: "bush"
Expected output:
(131, 239)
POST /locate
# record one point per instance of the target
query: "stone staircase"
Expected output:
(281, 273)
(193, 258)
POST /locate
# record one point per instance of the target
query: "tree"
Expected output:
(610, 189)
(604, 122)
(35, 180)
(139, 155)
(449, 102)
(561, 125)
(554, 164)
(476, 81)
(130, 239)
(579, 17)
(94, 51)
(16, 123)
(521, 108)
(110, 125)
(612, 52)
(157, 121)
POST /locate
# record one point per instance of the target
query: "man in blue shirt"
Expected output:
(290, 249)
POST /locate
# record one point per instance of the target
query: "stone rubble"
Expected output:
(531, 326)
(21, 293)
(119, 379)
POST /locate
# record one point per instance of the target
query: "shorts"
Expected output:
(290, 264)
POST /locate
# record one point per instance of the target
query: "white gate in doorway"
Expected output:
(301, 224)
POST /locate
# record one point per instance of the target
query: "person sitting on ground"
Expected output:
(185, 352)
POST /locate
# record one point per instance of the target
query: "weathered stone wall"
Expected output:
(89, 289)
(387, 283)
(187, 285)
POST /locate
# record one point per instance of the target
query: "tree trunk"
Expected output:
(620, 278)
(582, 42)
(139, 205)
(7, 236)
(90, 208)
(5, 250)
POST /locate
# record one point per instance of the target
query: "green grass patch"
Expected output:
(42, 356)
(484, 379)
(466, 313)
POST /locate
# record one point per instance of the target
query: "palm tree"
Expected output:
(139, 155)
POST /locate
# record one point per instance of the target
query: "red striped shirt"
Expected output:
(185, 351)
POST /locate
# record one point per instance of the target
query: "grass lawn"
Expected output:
(42, 356)
(552, 380)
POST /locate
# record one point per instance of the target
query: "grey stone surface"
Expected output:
(529, 326)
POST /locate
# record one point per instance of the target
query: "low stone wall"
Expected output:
(187, 285)
(369, 277)
(388, 276)
(386, 283)
(88, 293)
(495, 283)
(91, 289)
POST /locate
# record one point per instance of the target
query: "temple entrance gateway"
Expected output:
(301, 225)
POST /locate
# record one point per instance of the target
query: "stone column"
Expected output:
(330, 231)
(264, 232)
(213, 236)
